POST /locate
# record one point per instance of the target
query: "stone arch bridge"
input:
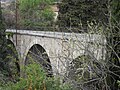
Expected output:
(58, 49)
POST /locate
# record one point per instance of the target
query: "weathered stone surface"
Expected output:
(61, 48)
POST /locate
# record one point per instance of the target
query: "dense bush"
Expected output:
(77, 13)
(36, 79)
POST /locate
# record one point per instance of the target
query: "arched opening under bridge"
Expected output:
(38, 54)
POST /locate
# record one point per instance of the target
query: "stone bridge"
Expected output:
(57, 49)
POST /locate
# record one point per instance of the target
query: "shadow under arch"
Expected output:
(13, 61)
(38, 54)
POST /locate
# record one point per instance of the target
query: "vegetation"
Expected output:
(76, 14)
(35, 14)
(36, 80)
(85, 72)
(3, 65)
(31, 14)
(6, 56)
(114, 41)
(101, 17)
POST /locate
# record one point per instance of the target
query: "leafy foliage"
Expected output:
(78, 13)
(2, 44)
(27, 4)
(36, 80)
(75, 14)
(35, 13)
(113, 40)
(8, 12)
(115, 6)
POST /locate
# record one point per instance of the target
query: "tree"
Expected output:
(77, 13)
(34, 14)
(31, 14)
(5, 53)
(113, 42)
(2, 41)
(9, 14)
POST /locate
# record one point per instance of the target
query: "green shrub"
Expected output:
(36, 79)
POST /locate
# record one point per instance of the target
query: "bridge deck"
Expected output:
(61, 35)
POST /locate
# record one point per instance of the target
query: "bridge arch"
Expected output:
(38, 54)
(13, 59)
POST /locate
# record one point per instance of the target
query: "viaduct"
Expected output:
(54, 50)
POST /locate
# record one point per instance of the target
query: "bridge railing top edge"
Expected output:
(61, 35)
